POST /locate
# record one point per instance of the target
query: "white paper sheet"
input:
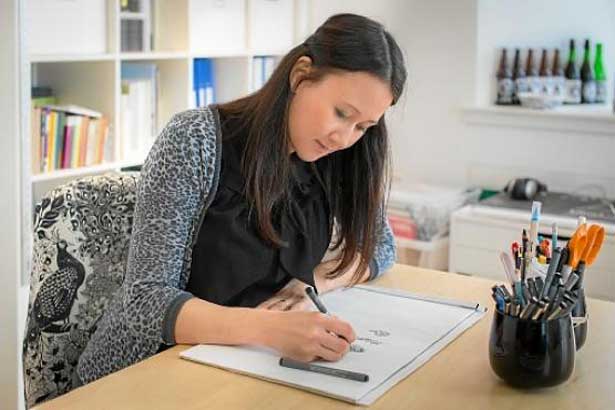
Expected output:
(396, 333)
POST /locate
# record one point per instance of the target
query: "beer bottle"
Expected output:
(600, 75)
(519, 79)
(532, 73)
(573, 80)
(588, 90)
(505, 83)
(559, 80)
(545, 74)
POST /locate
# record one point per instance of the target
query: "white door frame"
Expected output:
(10, 202)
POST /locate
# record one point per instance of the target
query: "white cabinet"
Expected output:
(479, 234)
(217, 26)
(65, 26)
(270, 25)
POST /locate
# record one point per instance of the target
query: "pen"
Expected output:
(572, 280)
(531, 285)
(526, 254)
(553, 235)
(539, 310)
(509, 269)
(551, 271)
(581, 273)
(316, 300)
(526, 294)
(534, 221)
(557, 311)
(331, 371)
(528, 309)
(319, 305)
(539, 284)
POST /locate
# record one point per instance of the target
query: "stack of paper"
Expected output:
(396, 333)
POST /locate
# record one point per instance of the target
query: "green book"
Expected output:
(42, 101)
(59, 148)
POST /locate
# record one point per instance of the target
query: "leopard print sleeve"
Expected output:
(384, 254)
(177, 182)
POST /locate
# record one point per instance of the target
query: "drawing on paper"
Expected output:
(369, 340)
(355, 348)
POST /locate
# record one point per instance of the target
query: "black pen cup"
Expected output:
(579, 315)
(531, 354)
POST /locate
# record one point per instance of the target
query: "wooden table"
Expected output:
(457, 377)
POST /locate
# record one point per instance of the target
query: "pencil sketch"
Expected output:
(355, 348)
(370, 341)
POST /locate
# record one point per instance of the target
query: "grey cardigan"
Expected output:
(178, 182)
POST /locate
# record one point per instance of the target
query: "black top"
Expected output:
(231, 264)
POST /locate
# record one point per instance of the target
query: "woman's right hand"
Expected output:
(308, 336)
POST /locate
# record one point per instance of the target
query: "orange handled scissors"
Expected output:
(585, 244)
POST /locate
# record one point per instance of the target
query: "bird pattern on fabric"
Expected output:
(81, 236)
(57, 295)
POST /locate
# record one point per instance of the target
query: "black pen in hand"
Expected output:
(319, 305)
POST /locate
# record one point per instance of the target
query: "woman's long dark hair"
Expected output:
(356, 178)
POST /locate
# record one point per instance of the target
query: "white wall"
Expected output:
(451, 48)
(9, 204)
(518, 23)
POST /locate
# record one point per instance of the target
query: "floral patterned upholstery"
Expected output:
(81, 240)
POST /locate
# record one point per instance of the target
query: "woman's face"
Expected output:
(334, 112)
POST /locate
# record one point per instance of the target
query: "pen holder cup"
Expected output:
(531, 354)
(579, 319)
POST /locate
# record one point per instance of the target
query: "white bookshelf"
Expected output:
(596, 119)
(229, 32)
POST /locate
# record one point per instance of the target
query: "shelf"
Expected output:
(155, 55)
(585, 119)
(221, 54)
(133, 15)
(55, 58)
(83, 171)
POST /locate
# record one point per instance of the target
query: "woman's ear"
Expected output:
(299, 72)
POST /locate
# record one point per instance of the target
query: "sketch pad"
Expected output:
(397, 332)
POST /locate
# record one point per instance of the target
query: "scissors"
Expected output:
(585, 244)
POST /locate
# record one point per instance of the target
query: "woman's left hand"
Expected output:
(290, 297)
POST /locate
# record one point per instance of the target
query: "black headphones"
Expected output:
(524, 188)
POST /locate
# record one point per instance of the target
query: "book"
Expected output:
(51, 141)
(35, 142)
(85, 124)
(75, 109)
(59, 141)
(138, 109)
(203, 86)
(68, 140)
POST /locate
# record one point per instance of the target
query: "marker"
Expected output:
(551, 271)
(540, 284)
(330, 371)
(529, 309)
(553, 235)
(499, 301)
(531, 284)
(557, 311)
(526, 254)
(539, 310)
(534, 222)
(571, 281)
(581, 273)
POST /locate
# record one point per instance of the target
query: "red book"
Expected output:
(68, 143)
